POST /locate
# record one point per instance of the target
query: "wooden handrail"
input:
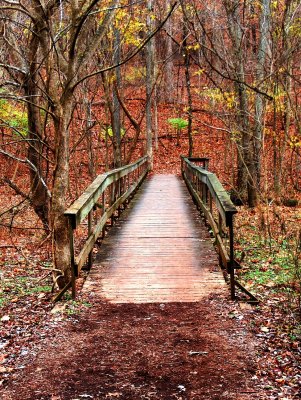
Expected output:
(83, 205)
(107, 192)
(206, 188)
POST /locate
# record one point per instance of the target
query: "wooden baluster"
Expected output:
(232, 277)
(112, 201)
(220, 230)
(119, 195)
(103, 199)
(126, 185)
(74, 272)
(120, 187)
(204, 193)
(90, 225)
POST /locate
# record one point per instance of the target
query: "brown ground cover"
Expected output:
(145, 351)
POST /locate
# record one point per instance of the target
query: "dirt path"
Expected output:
(196, 348)
(143, 351)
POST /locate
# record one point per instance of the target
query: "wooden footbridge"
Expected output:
(157, 248)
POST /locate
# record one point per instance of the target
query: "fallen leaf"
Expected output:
(5, 369)
(14, 300)
(58, 308)
(3, 358)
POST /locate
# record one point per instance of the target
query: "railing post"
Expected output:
(220, 231)
(232, 280)
(72, 260)
(117, 197)
(103, 199)
(204, 193)
(112, 196)
(90, 216)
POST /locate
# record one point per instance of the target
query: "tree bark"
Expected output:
(259, 100)
(188, 86)
(59, 192)
(149, 84)
(169, 81)
(30, 81)
(246, 185)
(116, 117)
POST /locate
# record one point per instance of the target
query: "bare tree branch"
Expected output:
(134, 53)
(31, 165)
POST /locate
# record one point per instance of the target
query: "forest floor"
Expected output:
(201, 350)
(89, 348)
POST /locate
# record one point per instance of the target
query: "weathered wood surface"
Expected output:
(158, 251)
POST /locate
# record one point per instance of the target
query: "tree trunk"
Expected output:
(38, 190)
(259, 101)
(149, 84)
(246, 172)
(116, 117)
(169, 81)
(280, 147)
(188, 87)
(59, 193)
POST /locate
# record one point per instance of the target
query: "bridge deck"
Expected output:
(158, 251)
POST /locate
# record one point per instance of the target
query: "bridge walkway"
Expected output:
(158, 251)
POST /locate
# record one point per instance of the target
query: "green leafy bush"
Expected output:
(178, 123)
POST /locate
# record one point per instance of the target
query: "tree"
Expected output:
(264, 31)
(150, 82)
(230, 56)
(58, 58)
(58, 52)
(187, 78)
